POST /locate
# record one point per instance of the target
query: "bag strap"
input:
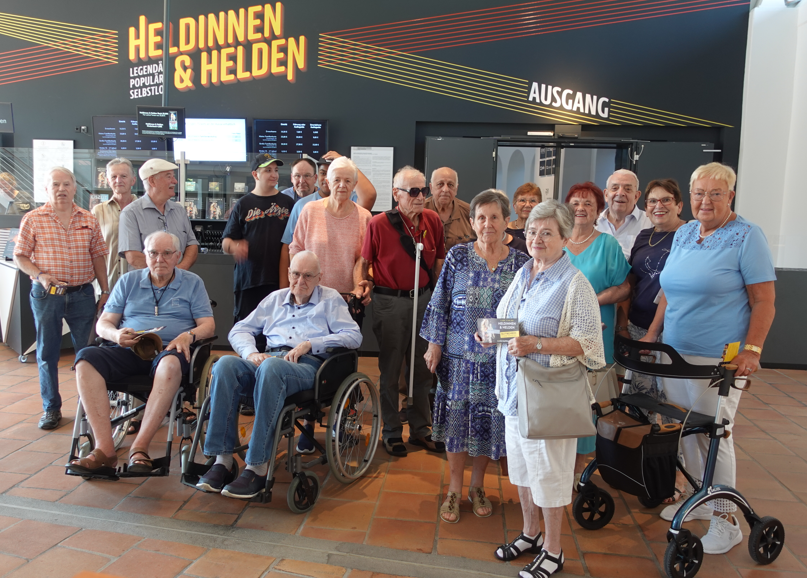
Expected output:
(395, 219)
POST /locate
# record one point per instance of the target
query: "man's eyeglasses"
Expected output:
(665, 201)
(306, 276)
(699, 194)
(298, 177)
(415, 191)
(165, 254)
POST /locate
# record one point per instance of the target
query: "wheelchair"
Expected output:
(350, 403)
(127, 399)
(594, 507)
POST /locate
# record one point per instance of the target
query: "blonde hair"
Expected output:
(716, 171)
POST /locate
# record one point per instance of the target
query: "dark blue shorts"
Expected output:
(116, 363)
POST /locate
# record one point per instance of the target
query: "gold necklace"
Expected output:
(650, 241)
(726, 220)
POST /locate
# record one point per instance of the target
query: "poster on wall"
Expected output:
(376, 164)
(49, 154)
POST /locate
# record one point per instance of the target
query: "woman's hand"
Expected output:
(648, 338)
(747, 362)
(432, 356)
(482, 343)
(521, 346)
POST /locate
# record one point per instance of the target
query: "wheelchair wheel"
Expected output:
(354, 422)
(766, 541)
(684, 556)
(303, 492)
(204, 385)
(119, 404)
(593, 508)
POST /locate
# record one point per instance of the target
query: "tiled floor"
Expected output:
(386, 523)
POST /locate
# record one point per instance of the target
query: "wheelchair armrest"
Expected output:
(336, 368)
(200, 351)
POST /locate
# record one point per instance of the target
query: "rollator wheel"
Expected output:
(766, 540)
(649, 502)
(354, 423)
(593, 509)
(119, 404)
(684, 557)
(298, 496)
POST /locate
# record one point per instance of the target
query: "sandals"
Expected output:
(395, 447)
(540, 567)
(428, 443)
(511, 551)
(95, 463)
(676, 497)
(140, 465)
(451, 506)
(478, 500)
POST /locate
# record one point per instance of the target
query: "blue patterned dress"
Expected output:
(465, 414)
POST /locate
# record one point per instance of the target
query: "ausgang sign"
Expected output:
(568, 99)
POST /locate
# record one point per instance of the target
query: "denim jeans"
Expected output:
(78, 309)
(269, 385)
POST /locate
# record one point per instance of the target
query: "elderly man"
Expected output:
(389, 247)
(120, 175)
(622, 218)
(154, 211)
(454, 212)
(162, 295)
(300, 323)
(303, 179)
(61, 247)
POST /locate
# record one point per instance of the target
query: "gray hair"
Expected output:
(307, 253)
(491, 196)
(456, 175)
(623, 172)
(148, 241)
(403, 174)
(344, 163)
(120, 161)
(552, 209)
(61, 170)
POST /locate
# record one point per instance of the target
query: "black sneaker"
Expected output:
(246, 486)
(216, 478)
(246, 410)
(305, 445)
(50, 419)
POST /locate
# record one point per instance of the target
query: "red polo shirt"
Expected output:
(392, 265)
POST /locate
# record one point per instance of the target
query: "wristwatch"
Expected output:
(621, 328)
(104, 292)
(193, 335)
(539, 345)
(754, 348)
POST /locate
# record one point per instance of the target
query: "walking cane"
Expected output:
(418, 249)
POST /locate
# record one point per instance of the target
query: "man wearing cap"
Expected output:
(154, 211)
(252, 236)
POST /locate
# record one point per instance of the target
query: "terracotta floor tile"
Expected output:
(101, 542)
(6, 521)
(271, 520)
(164, 488)
(61, 562)
(9, 563)
(412, 482)
(10, 419)
(162, 508)
(223, 563)
(14, 380)
(467, 549)
(9, 446)
(9, 480)
(786, 562)
(24, 430)
(354, 536)
(611, 566)
(54, 443)
(98, 494)
(7, 398)
(31, 405)
(341, 515)
(26, 462)
(765, 572)
(417, 460)
(52, 478)
(30, 538)
(420, 507)
(363, 489)
(206, 517)
(613, 538)
(37, 494)
(769, 446)
(214, 503)
(139, 563)
(310, 569)
(761, 414)
(402, 535)
(473, 528)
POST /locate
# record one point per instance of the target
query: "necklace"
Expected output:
(584, 240)
(726, 220)
(162, 293)
(650, 241)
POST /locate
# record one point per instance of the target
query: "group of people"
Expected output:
(308, 259)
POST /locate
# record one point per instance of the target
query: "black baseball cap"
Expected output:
(324, 161)
(264, 160)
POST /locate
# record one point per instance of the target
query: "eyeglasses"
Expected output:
(298, 177)
(545, 235)
(699, 194)
(155, 254)
(665, 201)
(415, 191)
(527, 201)
(306, 276)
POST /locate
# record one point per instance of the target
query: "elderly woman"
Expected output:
(559, 318)
(474, 278)
(599, 257)
(333, 228)
(524, 199)
(718, 288)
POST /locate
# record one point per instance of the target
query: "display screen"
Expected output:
(291, 137)
(161, 121)
(118, 134)
(213, 139)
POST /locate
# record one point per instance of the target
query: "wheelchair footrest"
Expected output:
(160, 467)
(103, 474)
(265, 496)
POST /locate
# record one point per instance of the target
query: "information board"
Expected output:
(276, 137)
(119, 134)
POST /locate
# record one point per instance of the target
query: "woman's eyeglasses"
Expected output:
(665, 201)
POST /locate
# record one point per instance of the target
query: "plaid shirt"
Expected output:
(66, 254)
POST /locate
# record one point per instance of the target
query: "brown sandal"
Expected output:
(478, 500)
(96, 462)
(140, 465)
(451, 506)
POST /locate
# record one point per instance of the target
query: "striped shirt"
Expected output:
(66, 254)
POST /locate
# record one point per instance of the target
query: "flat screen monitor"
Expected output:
(213, 140)
(117, 135)
(168, 121)
(291, 137)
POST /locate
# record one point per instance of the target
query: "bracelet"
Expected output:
(104, 292)
(754, 348)
(621, 328)
(38, 275)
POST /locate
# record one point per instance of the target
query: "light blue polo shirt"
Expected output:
(288, 234)
(184, 301)
(141, 218)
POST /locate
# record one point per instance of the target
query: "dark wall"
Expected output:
(688, 64)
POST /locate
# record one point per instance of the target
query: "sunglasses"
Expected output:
(415, 191)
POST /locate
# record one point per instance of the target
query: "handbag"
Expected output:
(553, 402)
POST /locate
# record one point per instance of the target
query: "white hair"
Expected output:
(623, 172)
(153, 237)
(306, 253)
(61, 170)
(343, 163)
(404, 174)
(120, 161)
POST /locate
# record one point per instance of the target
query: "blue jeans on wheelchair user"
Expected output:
(269, 385)
(78, 310)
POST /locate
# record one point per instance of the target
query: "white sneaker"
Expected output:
(723, 535)
(702, 512)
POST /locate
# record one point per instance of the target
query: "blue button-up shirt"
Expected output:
(140, 218)
(325, 321)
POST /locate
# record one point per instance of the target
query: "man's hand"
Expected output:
(363, 291)
(257, 358)
(240, 250)
(298, 352)
(47, 280)
(102, 301)
(182, 343)
(126, 337)
(331, 155)
(432, 356)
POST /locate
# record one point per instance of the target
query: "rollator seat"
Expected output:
(644, 401)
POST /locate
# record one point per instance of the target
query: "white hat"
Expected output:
(154, 166)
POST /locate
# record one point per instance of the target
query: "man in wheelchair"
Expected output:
(300, 323)
(161, 296)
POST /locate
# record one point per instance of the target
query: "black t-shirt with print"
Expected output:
(261, 221)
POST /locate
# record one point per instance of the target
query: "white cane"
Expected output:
(418, 249)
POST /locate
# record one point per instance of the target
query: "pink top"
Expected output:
(336, 241)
